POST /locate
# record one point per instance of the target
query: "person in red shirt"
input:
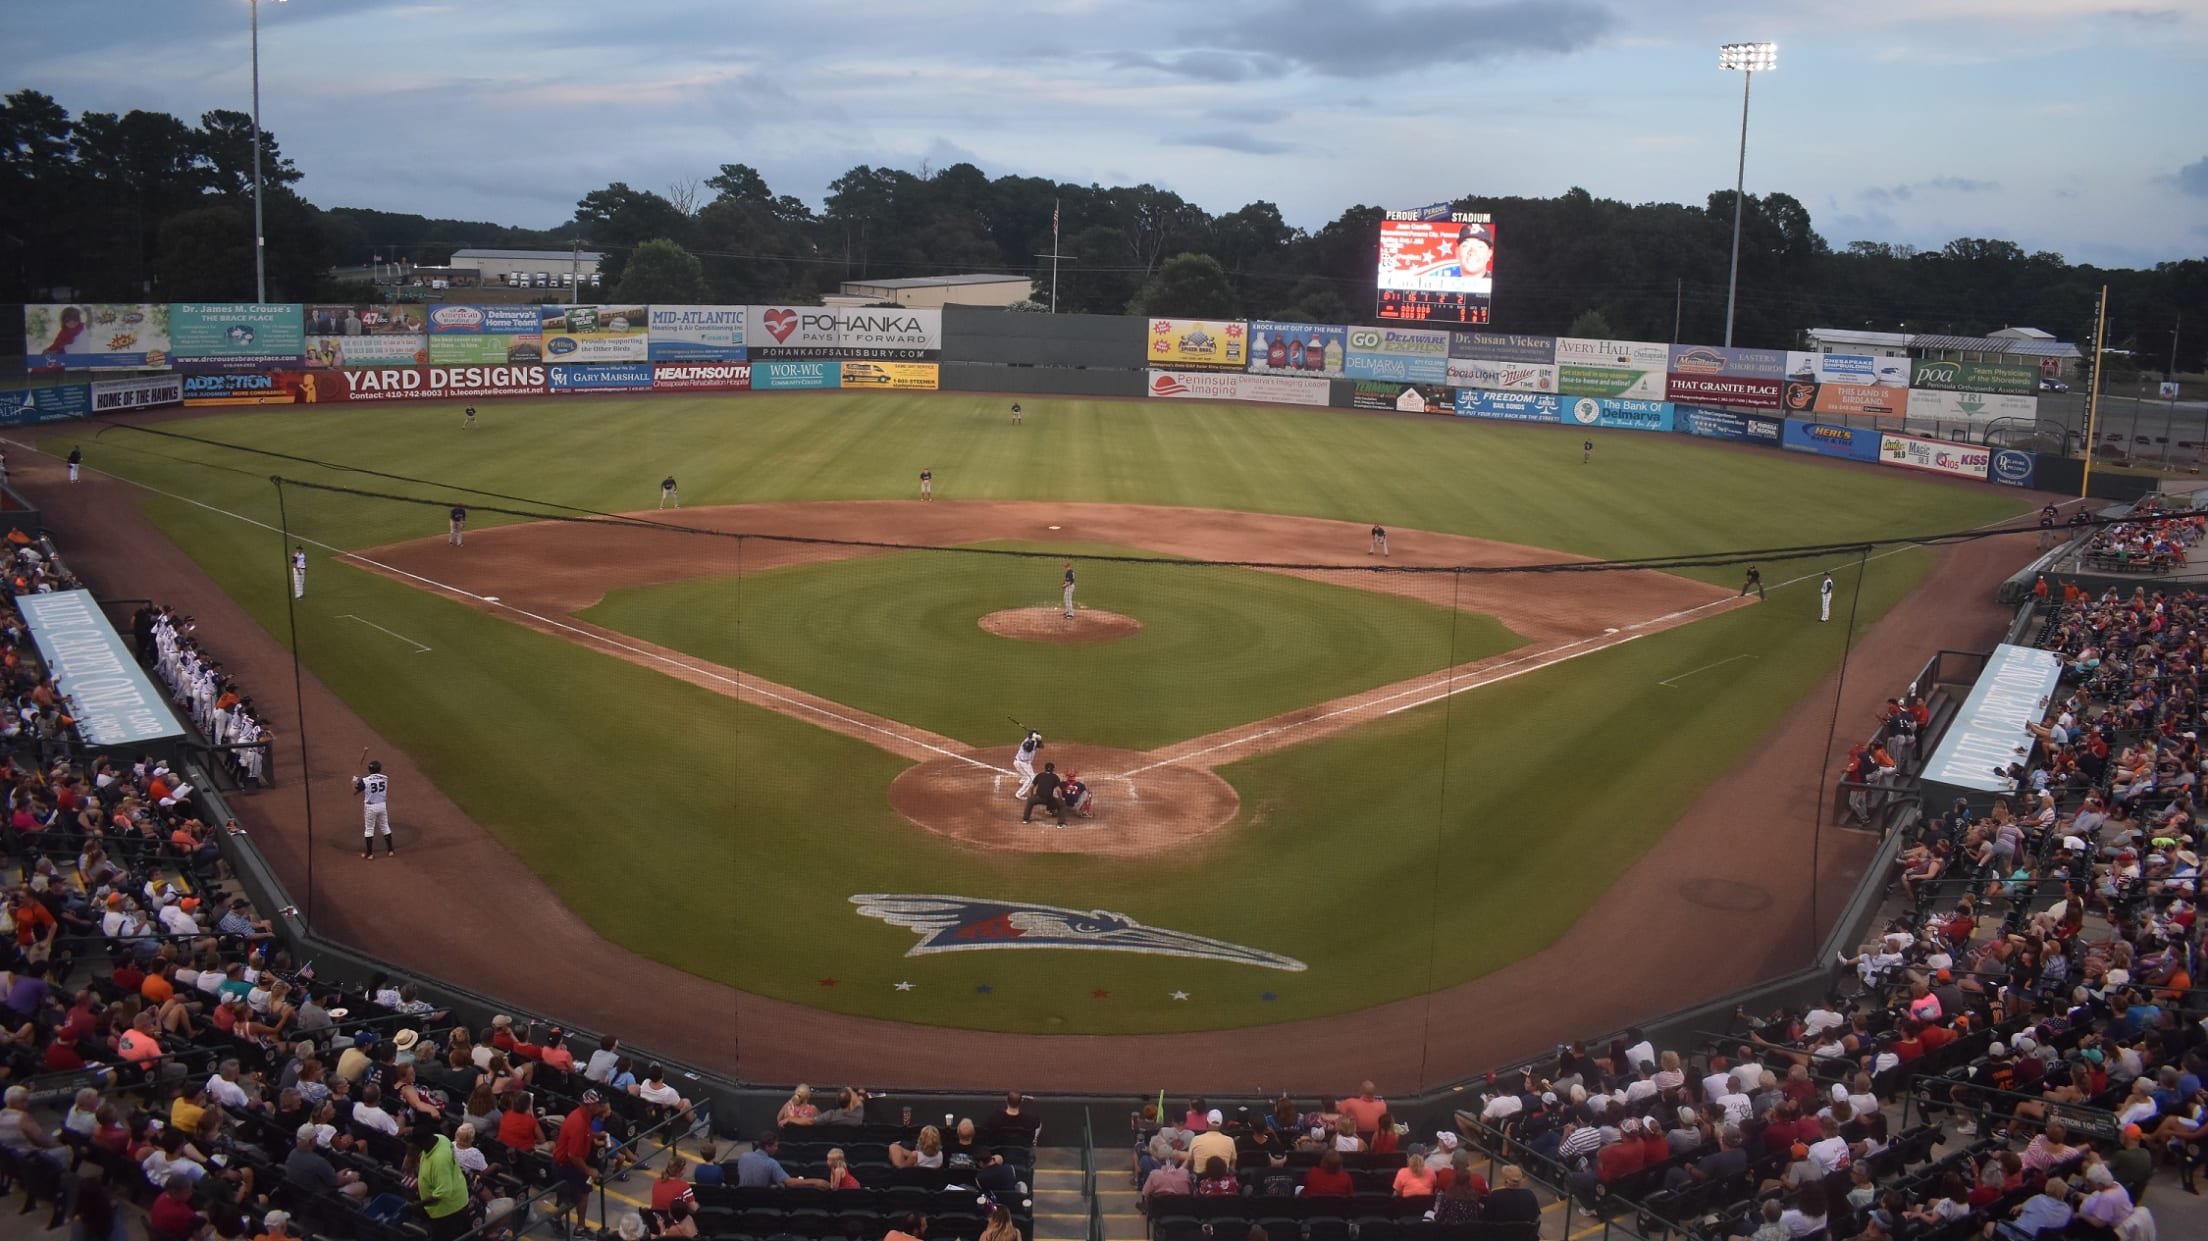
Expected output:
(1621, 1158)
(171, 1214)
(572, 1149)
(671, 1183)
(1328, 1179)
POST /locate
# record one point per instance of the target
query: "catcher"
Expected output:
(1078, 799)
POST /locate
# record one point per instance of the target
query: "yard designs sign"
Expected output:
(964, 924)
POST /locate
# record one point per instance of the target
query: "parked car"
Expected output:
(2050, 384)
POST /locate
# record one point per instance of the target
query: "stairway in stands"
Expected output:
(1062, 1211)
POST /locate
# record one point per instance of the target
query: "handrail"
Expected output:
(1556, 1178)
(1088, 1175)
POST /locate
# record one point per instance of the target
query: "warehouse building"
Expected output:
(983, 289)
(530, 269)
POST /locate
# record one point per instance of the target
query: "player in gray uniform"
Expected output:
(1068, 591)
(1024, 762)
(374, 789)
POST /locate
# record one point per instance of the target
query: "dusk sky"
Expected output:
(2065, 125)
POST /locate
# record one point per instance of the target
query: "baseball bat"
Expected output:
(363, 764)
(1017, 724)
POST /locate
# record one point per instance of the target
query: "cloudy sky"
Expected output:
(2067, 125)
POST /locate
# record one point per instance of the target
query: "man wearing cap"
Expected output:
(572, 1150)
(1213, 1142)
(307, 1168)
(443, 1188)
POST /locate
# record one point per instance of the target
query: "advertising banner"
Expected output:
(1502, 376)
(236, 336)
(124, 336)
(897, 376)
(254, 388)
(1722, 424)
(1507, 406)
(339, 336)
(112, 701)
(427, 383)
(1503, 347)
(1994, 727)
(1309, 349)
(696, 334)
(2014, 467)
(1624, 355)
(1214, 386)
(1829, 441)
(1402, 398)
(488, 335)
(701, 376)
(113, 395)
(21, 408)
(846, 332)
(594, 333)
(1577, 379)
(1405, 355)
(1198, 342)
(1588, 411)
(784, 376)
(2009, 378)
(562, 380)
(1738, 363)
(1724, 390)
(1435, 269)
(1848, 368)
(1806, 396)
(1971, 406)
(1938, 456)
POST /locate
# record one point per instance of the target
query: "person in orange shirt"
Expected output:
(1366, 1110)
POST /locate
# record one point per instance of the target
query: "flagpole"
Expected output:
(1054, 256)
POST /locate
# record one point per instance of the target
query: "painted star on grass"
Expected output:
(829, 982)
(904, 986)
(1180, 995)
(1100, 994)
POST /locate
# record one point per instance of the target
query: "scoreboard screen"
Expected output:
(1437, 271)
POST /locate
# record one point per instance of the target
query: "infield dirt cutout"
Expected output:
(542, 574)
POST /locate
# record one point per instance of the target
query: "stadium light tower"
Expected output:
(1749, 58)
(260, 243)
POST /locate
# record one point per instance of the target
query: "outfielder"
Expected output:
(469, 425)
(299, 571)
(1824, 600)
(927, 483)
(1068, 591)
(373, 789)
(1024, 762)
(1379, 541)
(1015, 413)
(76, 460)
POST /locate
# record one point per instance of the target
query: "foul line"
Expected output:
(1674, 681)
(418, 647)
(586, 634)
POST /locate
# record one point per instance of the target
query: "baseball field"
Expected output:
(767, 738)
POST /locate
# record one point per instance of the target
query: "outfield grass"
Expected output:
(1350, 852)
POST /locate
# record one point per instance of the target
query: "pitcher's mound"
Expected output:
(1051, 625)
(1138, 812)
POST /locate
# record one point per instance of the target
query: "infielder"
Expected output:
(76, 459)
(1023, 761)
(1068, 591)
(927, 483)
(1379, 541)
(456, 529)
(667, 495)
(299, 571)
(1824, 600)
(1754, 583)
(373, 788)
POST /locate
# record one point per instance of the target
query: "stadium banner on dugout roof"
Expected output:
(96, 335)
(1736, 363)
(1503, 347)
(114, 395)
(701, 377)
(1216, 386)
(1724, 390)
(1995, 720)
(1401, 354)
(252, 388)
(696, 334)
(1805, 396)
(787, 376)
(1848, 368)
(1848, 443)
(2013, 467)
(33, 405)
(594, 333)
(1724, 424)
(1616, 415)
(1376, 394)
(1309, 350)
(1937, 456)
(1197, 342)
(888, 334)
(562, 379)
(1971, 406)
(112, 701)
(426, 383)
(1502, 376)
(1508, 406)
(895, 376)
(484, 335)
(1580, 379)
(2008, 378)
(237, 336)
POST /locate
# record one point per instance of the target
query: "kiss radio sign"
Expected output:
(889, 335)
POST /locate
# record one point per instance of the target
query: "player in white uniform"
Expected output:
(1024, 763)
(373, 789)
(1824, 600)
(1068, 592)
(299, 572)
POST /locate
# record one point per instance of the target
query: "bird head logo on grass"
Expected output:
(965, 924)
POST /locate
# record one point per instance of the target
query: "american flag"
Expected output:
(1053, 224)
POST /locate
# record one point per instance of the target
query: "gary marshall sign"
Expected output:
(113, 702)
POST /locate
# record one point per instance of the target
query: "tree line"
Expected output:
(144, 205)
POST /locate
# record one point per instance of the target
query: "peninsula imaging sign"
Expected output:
(1994, 727)
(111, 699)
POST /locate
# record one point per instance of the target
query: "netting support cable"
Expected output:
(1441, 825)
(298, 686)
(1824, 769)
